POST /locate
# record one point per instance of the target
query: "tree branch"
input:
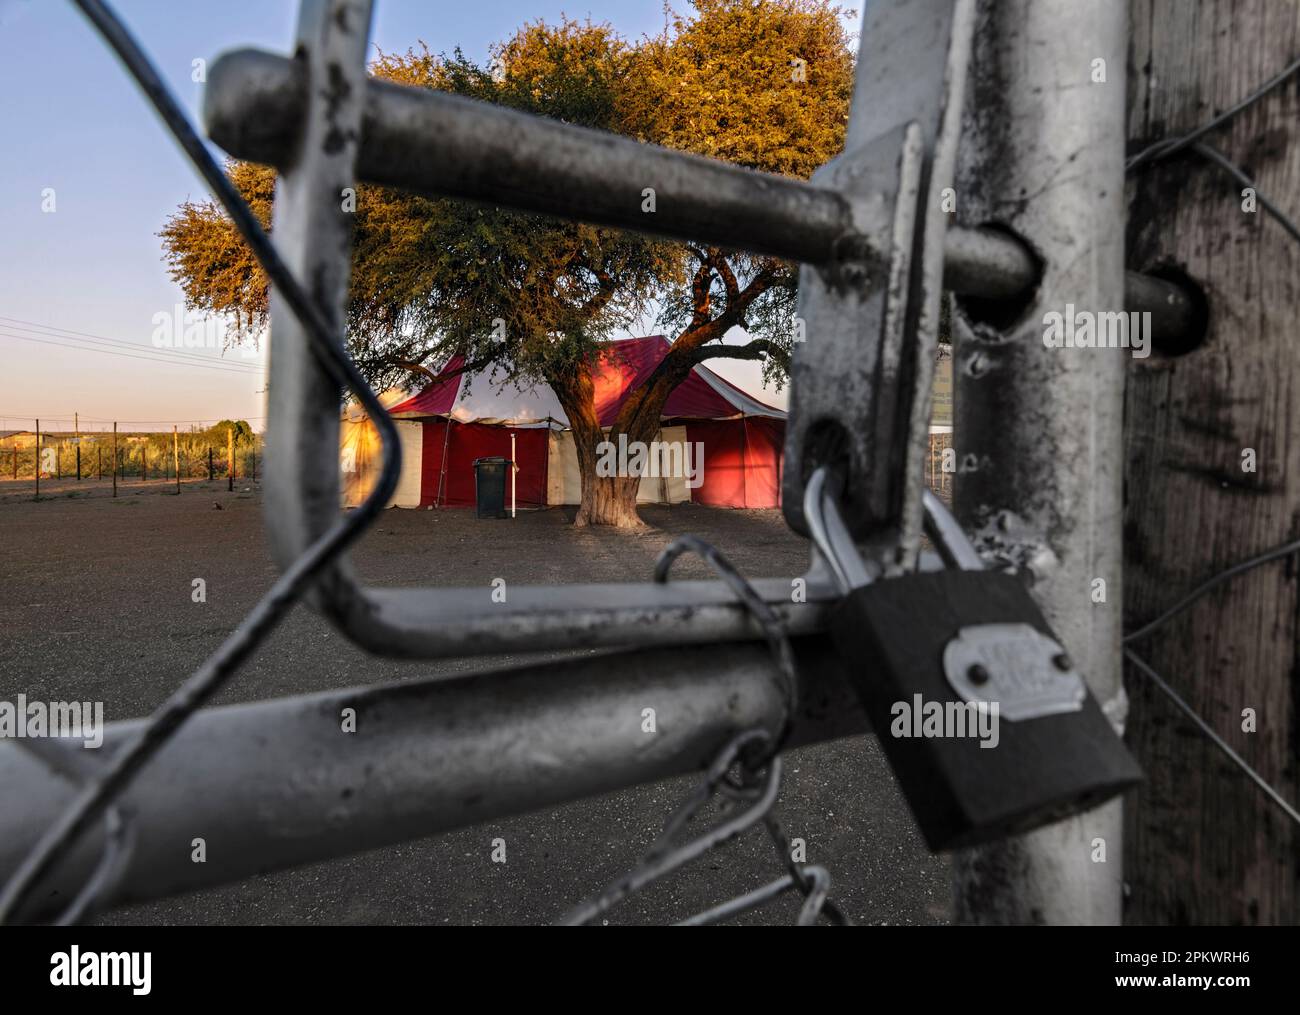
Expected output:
(416, 368)
(723, 268)
(600, 300)
(701, 303)
(756, 349)
(472, 366)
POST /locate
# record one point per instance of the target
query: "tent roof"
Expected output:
(622, 366)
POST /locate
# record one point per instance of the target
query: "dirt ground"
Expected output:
(95, 593)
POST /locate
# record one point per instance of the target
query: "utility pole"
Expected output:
(1037, 430)
(230, 458)
(1213, 473)
(176, 458)
(38, 459)
(115, 461)
(76, 426)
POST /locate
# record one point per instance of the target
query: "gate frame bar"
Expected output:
(280, 805)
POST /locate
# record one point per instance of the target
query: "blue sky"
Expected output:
(91, 269)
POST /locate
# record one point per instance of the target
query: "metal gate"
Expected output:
(877, 235)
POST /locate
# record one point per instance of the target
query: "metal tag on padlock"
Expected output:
(988, 726)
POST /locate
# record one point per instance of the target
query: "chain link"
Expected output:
(756, 754)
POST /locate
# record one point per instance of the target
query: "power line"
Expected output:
(65, 416)
(236, 368)
(136, 346)
(134, 350)
(53, 424)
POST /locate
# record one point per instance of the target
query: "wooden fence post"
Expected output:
(1213, 474)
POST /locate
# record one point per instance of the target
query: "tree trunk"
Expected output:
(611, 500)
(1205, 845)
(606, 500)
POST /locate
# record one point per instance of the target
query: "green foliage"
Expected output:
(209, 260)
(434, 277)
(216, 434)
(727, 83)
(765, 85)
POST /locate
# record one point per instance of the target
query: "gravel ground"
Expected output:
(95, 593)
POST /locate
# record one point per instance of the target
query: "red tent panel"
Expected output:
(764, 454)
(742, 443)
(469, 441)
(625, 365)
(742, 462)
(622, 366)
(438, 398)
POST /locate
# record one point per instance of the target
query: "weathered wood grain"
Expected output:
(1204, 845)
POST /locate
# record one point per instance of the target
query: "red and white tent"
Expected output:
(459, 418)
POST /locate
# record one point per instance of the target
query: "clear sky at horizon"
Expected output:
(92, 268)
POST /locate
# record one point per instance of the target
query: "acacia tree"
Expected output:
(536, 299)
(763, 85)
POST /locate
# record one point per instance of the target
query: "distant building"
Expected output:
(23, 440)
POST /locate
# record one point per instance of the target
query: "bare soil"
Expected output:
(95, 593)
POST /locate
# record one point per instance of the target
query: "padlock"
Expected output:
(986, 722)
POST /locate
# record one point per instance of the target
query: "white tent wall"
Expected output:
(564, 484)
(359, 461)
(407, 493)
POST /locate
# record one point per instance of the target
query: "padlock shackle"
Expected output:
(949, 537)
(829, 533)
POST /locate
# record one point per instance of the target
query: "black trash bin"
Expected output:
(490, 486)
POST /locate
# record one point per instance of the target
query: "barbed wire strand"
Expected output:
(326, 344)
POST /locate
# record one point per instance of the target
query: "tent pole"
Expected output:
(663, 478)
(442, 472)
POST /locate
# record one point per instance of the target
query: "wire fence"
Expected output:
(760, 774)
(48, 466)
(133, 457)
(1149, 156)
